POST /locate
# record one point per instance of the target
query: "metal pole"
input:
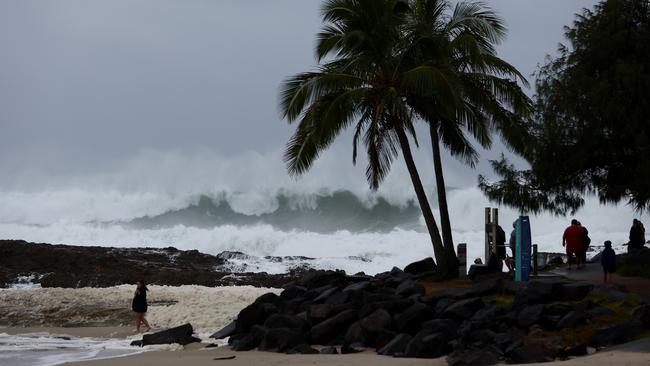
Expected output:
(535, 259)
(495, 222)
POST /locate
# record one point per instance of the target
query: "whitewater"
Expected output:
(249, 204)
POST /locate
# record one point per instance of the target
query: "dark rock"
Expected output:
(600, 311)
(615, 334)
(329, 351)
(612, 292)
(473, 357)
(443, 304)
(351, 348)
(212, 345)
(285, 321)
(376, 322)
(303, 349)
(249, 341)
(226, 331)
(396, 346)
(392, 306)
(506, 341)
(269, 298)
(408, 288)
(464, 309)
(325, 331)
(571, 320)
(486, 314)
(427, 345)
(532, 353)
(479, 270)
(319, 312)
(579, 350)
(535, 292)
(292, 292)
(573, 291)
(530, 315)
(282, 339)
(421, 266)
(642, 315)
(411, 319)
(338, 298)
(255, 314)
(325, 294)
(137, 343)
(316, 278)
(355, 334)
(484, 336)
(358, 286)
(181, 335)
(446, 326)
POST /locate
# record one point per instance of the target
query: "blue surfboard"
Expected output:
(523, 247)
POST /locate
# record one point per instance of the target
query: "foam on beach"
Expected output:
(206, 308)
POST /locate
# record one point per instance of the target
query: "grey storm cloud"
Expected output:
(86, 82)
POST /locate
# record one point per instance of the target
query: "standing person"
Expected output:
(497, 244)
(573, 240)
(510, 261)
(586, 241)
(139, 305)
(637, 236)
(608, 261)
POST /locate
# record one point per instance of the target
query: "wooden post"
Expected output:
(535, 259)
(487, 234)
(495, 222)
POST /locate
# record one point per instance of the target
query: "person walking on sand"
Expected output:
(573, 240)
(139, 305)
(608, 261)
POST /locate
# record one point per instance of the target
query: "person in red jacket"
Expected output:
(573, 241)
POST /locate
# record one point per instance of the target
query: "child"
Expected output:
(608, 261)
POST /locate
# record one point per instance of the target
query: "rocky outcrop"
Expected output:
(492, 321)
(182, 335)
(80, 266)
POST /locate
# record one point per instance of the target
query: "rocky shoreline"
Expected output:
(396, 313)
(71, 266)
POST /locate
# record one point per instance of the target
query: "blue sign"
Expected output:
(523, 245)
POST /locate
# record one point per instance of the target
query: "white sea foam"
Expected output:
(206, 308)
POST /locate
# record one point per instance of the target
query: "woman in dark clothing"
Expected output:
(139, 305)
(637, 235)
(608, 261)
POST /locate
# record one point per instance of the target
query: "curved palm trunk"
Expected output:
(442, 198)
(438, 249)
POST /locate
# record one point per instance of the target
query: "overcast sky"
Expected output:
(84, 83)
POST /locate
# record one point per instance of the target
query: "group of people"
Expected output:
(576, 241)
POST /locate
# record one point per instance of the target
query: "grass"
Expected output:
(634, 265)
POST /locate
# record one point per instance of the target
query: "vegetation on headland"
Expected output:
(385, 65)
(590, 132)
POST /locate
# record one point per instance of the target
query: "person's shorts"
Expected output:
(609, 269)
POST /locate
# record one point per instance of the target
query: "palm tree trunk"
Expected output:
(442, 197)
(438, 248)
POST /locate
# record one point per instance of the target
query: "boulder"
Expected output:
(358, 286)
(532, 353)
(411, 319)
(600, 312)
(181, 335)
(408, 288)
(292, 292)
(285, 321)
(421, 266)
(355, 334)
(615, 334)
(473, 357)
(282, 339)
(572, 319)
(325, 294)
(376, 322)
(339, 298)
(226, 331)
(351, 348)
(446, 326)
(642, 315)
(530, 315)
(426, 344)
(463, 309)
(303, 349)
(573, 291)
(326, 330)
(392, 306)
(329, 351)
(255, 314)
(317, 278)
(539, 291)
(396, 346)
(249, 341)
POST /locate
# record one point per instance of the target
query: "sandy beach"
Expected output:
(634, 353)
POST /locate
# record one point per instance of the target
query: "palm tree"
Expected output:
(367, 83)
(486, 96)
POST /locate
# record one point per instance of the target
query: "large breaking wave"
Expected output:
(248, 204)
